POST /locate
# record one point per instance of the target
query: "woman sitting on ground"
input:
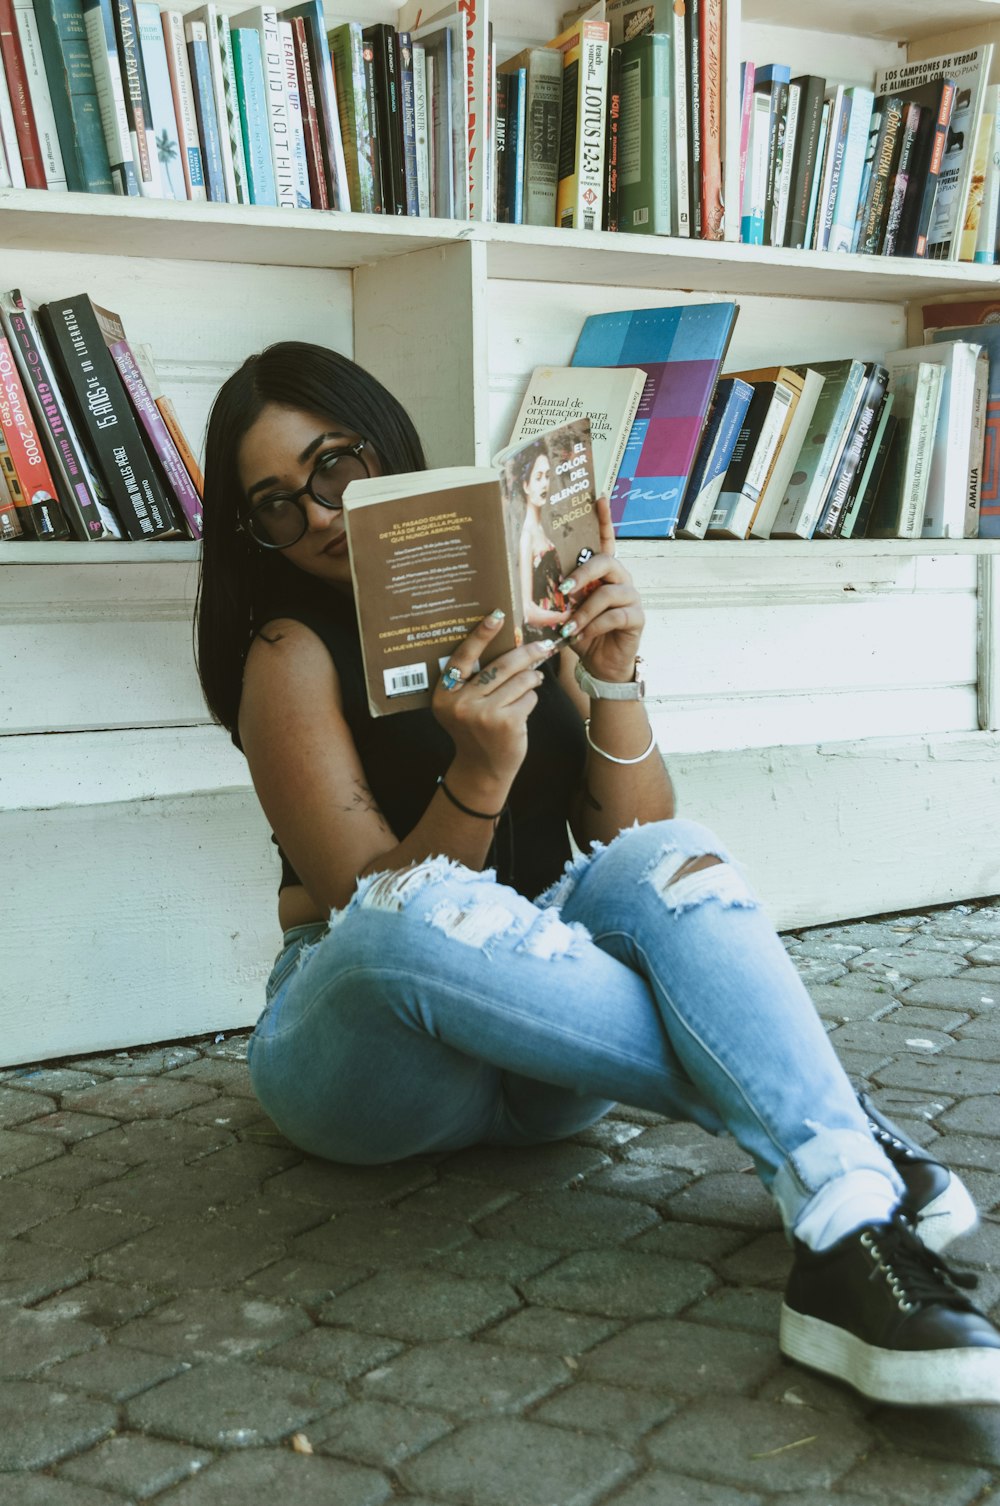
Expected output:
(450, 976)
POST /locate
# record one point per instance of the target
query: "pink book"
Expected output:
(159, 435)
(746, 108)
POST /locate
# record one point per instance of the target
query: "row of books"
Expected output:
(910, 167)
(907, 447)
(90, 446)
(280, 108)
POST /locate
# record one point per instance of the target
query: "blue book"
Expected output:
(404, 48)
(845, 214)
(681, 350)
(729, 406)
(253, 114)
(161, 100)
(516, 121)
(988, 336)
(833, 167)
(204, 108)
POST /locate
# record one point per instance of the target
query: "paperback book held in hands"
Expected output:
(433, 552)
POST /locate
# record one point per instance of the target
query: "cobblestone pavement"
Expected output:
(193, 1312)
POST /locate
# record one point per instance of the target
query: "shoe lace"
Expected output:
(915, 1274)
(896, 1149)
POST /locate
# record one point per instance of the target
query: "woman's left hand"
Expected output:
(607, 617)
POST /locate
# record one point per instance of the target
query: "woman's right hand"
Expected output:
(486, 716)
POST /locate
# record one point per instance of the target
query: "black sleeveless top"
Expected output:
(403, 756)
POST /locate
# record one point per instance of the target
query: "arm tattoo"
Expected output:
(487, 676)
(362, 802)
(590, 799)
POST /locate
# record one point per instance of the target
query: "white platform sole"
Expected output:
(950, 1215)
(922, 1378)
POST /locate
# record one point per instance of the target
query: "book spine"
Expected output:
(776, 93)
(78, 497)
(253, 115)
(348, 71)
(230, 110)
(11, 155)
(137, 99)
(204, 105)
(817, 177)
(144, 360)
(901, 179)
(877, 202)
(273, 61)
(920, 450)
(78, 349)
(977, 445)
(296, 125)
(845, 210)
(880, 468)
(986, 238)
(209, 16)
(159, 436)
(408, 120)
(784, 187)
(612, 139)
(382, 40)
(318, 191)
(581, 152)
(543, 108)
(755, 183)
(735, 513)
(500, 110)
(421, 134)
(854, 456)
(99, 21)
(804, 164)
(12, 55)
(329, 106)
(381, 192)
(939, 141)
(748, 73)
(183, 92)
(39, 512)
(162, 115)
(10, 525)
(692, 35)
(712, 211)
(711, 471)
(840, 120)
(66, 56)
(867, 173)
(40, 95)
(851, 518)
(969, 236)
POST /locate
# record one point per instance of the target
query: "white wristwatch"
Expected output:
(611, 690)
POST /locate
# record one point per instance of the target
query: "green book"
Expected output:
(346, 50)
(829, 430)
(645, 136)
(62, 37)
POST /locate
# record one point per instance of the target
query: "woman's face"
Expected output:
(278, 453)
(536, 488)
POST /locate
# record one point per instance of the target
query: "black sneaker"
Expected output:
(936, 1199)
(881, 1312)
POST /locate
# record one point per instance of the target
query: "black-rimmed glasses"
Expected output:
(280, 520)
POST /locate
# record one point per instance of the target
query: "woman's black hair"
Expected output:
(239, 584)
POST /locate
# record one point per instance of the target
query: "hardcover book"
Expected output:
(347, 53)
(471, 30)
(63, 41)
(89, 380)
(730, 402)
(560, 394)
(951, 510)
(250, 91)
(850, 465)
(681, 349)
(644, 200)
(580, 187)
(873, 211)
(12, 54)
(812, 90)
(40, 94)
(39, 511)
(434, 551)
(264, 19)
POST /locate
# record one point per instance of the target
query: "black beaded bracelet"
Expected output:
(467, 809)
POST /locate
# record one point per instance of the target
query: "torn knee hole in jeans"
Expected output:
(482, 922)
(683, 883)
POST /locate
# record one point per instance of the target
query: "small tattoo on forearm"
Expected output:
(486, 676)
(363, 802)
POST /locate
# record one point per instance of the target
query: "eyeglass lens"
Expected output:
(281, 520)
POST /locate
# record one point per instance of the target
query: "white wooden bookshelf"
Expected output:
(832, 708)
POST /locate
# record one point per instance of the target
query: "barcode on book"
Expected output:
(405, 680)
(640, 216)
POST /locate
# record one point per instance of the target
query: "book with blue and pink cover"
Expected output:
(681, 350)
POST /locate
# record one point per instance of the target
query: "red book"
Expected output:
(39, 511)
(20, 98)
(712, 214)
(310, 116)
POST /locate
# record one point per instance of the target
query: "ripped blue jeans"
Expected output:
(440, 1009)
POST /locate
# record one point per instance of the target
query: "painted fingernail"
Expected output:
(496, 617)
(546, 645)
(567, 586)
(568, 630)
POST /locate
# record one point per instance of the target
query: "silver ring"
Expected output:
(452, 679)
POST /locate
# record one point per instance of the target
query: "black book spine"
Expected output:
(779, 111)
(612, 140)
(135, 88)
(374, 124)
(912, 116)
(890, 136)
(852, 462)
(501, 211)
(933, 177)
(811, 96)
(382, 40)
(692, 37)
(77, 347)
(922, 186)
(879, 471)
